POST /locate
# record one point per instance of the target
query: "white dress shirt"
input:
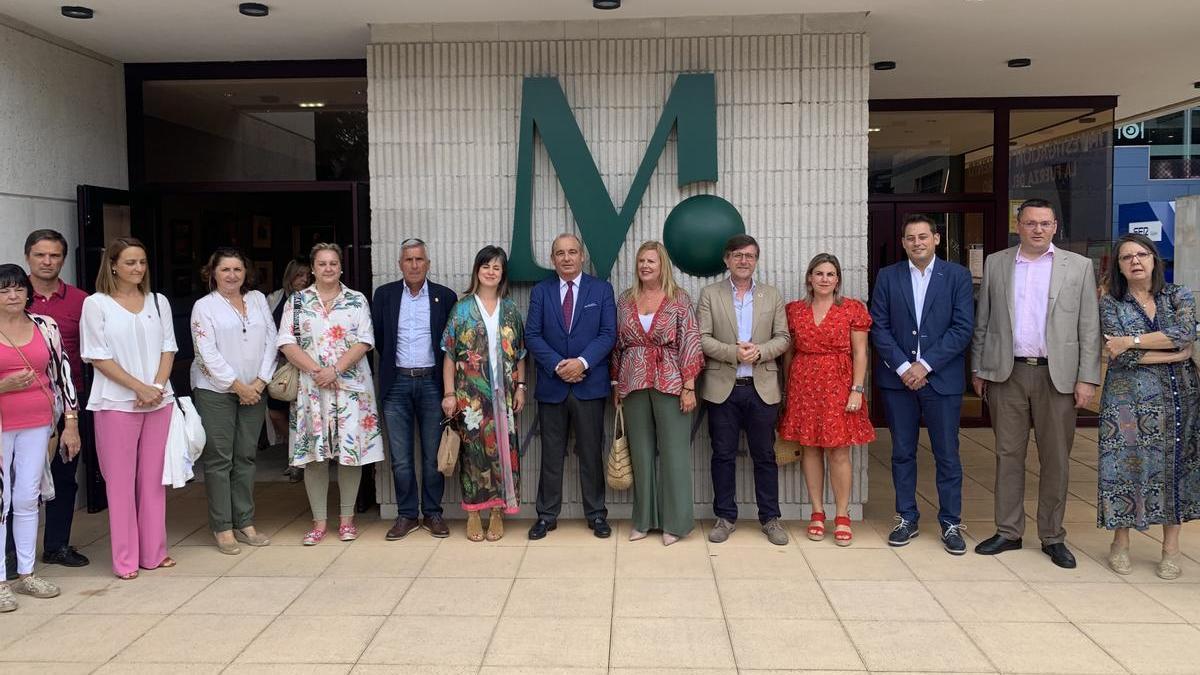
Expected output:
(414, 344)
(134, 341)
(920, 285)
(230, 346)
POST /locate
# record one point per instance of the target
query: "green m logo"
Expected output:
(691, 109)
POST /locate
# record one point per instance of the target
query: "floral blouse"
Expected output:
(661, 358)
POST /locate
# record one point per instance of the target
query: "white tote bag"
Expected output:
(185, 442)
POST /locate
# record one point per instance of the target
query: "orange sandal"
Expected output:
(816, 528)
(842, 537)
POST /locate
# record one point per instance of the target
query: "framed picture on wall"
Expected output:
(264, 275)
(261, 231)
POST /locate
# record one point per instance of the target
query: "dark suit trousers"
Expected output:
(744, 411)
(1028, 395)
(905, 409)
(587, 419)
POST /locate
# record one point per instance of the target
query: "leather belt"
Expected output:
(1032, 360)
(744, 382)
(415, 372)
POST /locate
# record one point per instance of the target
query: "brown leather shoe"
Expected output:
(402, 528)
(436, 526)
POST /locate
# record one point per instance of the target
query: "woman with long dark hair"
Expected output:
(484, 378)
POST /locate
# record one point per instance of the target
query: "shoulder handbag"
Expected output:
(285, 383)
(619, 471)
(449, 448)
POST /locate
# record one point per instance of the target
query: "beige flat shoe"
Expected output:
(1118, 560)
(1169, 567)
(228, 547)
(256, 539)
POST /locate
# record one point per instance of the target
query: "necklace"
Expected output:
(245, 320)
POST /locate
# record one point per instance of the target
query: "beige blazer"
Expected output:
(1073, 341)
(719, 336)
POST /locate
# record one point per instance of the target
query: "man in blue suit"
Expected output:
(409, 316)
(572, 327)
(923, 316)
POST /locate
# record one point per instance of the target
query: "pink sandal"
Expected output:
(313, 537)
(348, 532)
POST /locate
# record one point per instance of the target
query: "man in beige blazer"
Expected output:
(743, 331)
(1035, 357)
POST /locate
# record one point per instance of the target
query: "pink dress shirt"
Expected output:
(1031, 298)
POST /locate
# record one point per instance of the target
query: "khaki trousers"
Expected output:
(1029, 396)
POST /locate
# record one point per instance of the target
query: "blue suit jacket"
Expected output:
(947, 325)
(385, 314)
(593, 334)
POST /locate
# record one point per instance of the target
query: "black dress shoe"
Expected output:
(997, 543)
(599, 527)
(66, 556)
(540, 527)
(1060, 555)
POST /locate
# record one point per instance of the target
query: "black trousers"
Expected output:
(745, 411)
(556, 420)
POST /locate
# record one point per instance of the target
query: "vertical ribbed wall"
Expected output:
(792, 148)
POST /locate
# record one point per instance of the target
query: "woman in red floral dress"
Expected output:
(824, 408)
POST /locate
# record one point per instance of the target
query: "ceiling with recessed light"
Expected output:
(1146, 52)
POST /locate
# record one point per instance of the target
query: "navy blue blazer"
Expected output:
(385, 314)
(593, 335)
(947, 325)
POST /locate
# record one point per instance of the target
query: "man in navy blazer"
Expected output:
(923, 318)
(571, 329)
(409, 317)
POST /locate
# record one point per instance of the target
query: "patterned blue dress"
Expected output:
(1149, 470)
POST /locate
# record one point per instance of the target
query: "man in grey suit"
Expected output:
(743, 331)
(1036, 355)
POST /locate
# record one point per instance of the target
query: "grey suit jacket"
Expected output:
(1073, 341)
(719, 337)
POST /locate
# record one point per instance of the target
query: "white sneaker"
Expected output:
(35, 586)
(8, 601)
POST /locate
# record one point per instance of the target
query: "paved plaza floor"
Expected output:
(574, 604)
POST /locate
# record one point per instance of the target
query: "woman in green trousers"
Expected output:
(234, 336)
(654, 368)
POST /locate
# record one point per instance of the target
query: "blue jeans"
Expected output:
(745, 411)
(415, 402)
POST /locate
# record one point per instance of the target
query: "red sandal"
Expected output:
(842, 537)
(816, 528)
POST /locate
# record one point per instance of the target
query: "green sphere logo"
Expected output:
(696, 231)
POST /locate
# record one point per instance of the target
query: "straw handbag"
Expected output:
(620, 467)
(786, 451)
(285, 382)
(449, 447)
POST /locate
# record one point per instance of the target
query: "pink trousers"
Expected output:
(131, 447)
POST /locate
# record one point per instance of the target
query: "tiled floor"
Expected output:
(575, 604)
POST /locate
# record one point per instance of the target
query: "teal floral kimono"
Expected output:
(490, 463)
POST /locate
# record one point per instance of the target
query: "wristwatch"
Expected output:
(1137, 340)
(857, 388)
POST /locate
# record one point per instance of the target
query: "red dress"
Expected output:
(820, 378)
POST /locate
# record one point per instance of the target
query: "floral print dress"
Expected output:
(490, 463)
(1149, 468)
(340, 424)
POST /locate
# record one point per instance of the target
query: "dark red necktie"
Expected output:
(568, 305)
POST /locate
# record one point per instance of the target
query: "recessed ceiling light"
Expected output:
(884, 65)
(311, 104)
(229, 94)
(254, 9)
(873, 129)
(1020, 63)
(76, 12)
(606, 4)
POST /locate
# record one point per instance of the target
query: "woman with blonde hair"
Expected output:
(654, 366)
(325, 332)
(126, 333)
(825, 405)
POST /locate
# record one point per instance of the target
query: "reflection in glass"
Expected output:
(930, 152)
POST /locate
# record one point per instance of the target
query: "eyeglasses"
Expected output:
(1129, 257)
(1044, 224)
(740, 256)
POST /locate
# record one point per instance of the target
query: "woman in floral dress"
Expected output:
(825, 409)
(484, 376)
(1149, 468)
(325, 332)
